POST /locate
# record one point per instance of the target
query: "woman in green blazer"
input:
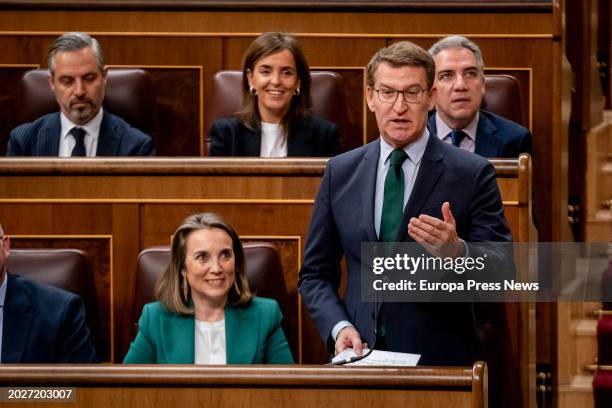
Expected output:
(206, 313)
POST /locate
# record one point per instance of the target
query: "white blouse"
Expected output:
(210, 342)
(273, 140)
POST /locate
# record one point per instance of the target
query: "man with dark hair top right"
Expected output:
(406, 186)
(458, 119)
(77, 77)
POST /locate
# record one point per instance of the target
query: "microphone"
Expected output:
(353, 359)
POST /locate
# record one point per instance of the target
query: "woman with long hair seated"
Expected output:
(206, 313)
(274, 120)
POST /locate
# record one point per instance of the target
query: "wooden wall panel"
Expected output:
(178, 92)
(23, 48)
(39, 218)
(354, 86)
(126, 247)
(10, 76)
(256, 22)
(604, 48)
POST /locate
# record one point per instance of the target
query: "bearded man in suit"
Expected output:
(77, 76)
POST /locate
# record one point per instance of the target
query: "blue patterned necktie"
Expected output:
(457, 136)
(393, 201)
(79, 136)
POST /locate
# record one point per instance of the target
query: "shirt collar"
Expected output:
(3, 289)
(414, 150)
(444, 130)
(92, 127)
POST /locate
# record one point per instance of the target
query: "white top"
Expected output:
(273, 140)
(92, 132)
(468, 143)
(210, 342)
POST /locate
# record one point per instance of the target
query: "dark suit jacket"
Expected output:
(496, 136)
(43, 324)
(343, 218)
(41, 138)
(313, 137)
(253, 336)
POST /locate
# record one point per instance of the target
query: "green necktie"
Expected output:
(393, 202)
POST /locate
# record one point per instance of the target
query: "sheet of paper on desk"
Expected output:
(380, 358)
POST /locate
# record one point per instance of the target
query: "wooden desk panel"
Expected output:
(254, 386)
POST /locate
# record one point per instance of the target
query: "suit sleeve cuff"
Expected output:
(339, 326)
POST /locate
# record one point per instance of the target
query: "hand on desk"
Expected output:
(349, 338)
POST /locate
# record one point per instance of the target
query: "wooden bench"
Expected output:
(254, 386)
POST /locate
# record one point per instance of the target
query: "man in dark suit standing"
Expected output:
(77, 76)
(460, 87)
(40, 323)
(405, 186)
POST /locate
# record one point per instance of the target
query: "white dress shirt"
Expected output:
(273, 140)
(210, 342)
(92, 133)
(468, 143)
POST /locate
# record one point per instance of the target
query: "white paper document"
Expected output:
(379, 358)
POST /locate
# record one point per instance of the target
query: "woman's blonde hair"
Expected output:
(173, 291)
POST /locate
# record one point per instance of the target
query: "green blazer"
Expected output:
(253, 335)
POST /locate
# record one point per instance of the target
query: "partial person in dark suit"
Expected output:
(40, 323)
(460, 87)
(274, 120)
(77, 76)
(439, 195)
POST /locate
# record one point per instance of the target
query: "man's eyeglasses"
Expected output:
(389, 95)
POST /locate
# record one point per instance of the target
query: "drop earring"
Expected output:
(252, 90)
(185, 288)
(297, 91)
